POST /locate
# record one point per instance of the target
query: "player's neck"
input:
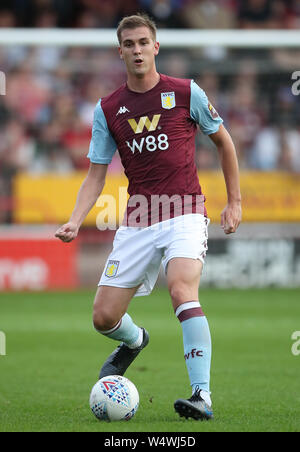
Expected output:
(143, 84)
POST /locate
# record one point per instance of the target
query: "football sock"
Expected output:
(204, 394)
(197, 344)
(125, 331)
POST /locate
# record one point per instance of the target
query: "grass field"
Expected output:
(53, 356)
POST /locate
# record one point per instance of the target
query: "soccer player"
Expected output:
(152, 121)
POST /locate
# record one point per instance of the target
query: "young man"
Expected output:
(152, 120)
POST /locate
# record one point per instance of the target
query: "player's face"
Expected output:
(138, 50)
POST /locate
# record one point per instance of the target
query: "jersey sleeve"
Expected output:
(102, 145)
(202, 112)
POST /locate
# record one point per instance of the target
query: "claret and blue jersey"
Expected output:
(154, 133)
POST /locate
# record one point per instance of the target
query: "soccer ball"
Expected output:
(114, 398)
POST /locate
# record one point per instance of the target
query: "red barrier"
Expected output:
(37, 264)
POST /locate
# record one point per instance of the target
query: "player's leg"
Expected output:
(183, 277)
(131, 269)
(110, 306)
(111, 319)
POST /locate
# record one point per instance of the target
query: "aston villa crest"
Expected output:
(168, 100)
(112, 268)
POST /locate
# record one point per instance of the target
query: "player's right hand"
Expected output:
(67, 232)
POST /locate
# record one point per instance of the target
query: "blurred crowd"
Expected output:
(167, 13)
(47, 112)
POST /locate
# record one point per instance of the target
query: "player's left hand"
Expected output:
(231, 217)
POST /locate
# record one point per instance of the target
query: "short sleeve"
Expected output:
(102, 145)
(202, 112)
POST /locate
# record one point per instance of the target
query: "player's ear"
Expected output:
(120, 53)
(156, 48)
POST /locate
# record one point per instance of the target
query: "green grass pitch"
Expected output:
(53, 356)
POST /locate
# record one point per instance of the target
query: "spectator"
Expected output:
(7, 19)
(76, 139)
(293, 141)
(16, 154)
(166, 13)
(292, 19)
(209, 14)
(266, 151)
(244, 111)
(50, 153)
(26, 93)
(276, 148)
(255, 13)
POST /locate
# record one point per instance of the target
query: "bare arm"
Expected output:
(88, 194)
(232, 213)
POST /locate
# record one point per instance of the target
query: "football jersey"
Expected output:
(154, 133)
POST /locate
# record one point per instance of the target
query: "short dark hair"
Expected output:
(135, 21)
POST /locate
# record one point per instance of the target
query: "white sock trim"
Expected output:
(112, 329)
(185, 306)
(139, 340)
(206, 397)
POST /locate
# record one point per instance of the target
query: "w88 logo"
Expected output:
(151, 143)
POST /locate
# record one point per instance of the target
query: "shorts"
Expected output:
(139, 252)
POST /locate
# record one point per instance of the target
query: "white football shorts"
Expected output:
(138, 252)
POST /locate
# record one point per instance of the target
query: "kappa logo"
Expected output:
(144, 121)
(193, 353)
(122, 111)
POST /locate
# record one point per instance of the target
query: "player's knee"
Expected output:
(103, 319)
(178, 293)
